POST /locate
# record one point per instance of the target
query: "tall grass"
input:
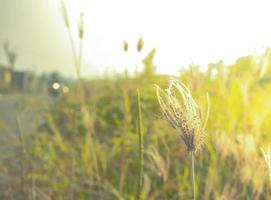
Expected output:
(140, 150)
(229, 166)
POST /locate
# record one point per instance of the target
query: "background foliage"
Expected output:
(91, 152)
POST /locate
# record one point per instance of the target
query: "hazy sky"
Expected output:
(183, 31)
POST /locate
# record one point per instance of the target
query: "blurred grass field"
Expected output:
(91, 152)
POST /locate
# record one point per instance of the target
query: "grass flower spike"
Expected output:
(183, 113)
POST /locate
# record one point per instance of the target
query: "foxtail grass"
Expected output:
(77, 58)
(77, 54)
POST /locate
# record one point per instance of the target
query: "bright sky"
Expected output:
(183, 31)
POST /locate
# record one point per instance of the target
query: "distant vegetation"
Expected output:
(89, 149)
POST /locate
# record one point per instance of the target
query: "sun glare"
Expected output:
(174, 28)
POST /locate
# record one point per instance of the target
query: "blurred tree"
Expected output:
(11, 57)
(149, 67)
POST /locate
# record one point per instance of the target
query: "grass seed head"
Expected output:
(81, 26)
(125, 46)
(182, 113)
(140, 44)
(64, 13)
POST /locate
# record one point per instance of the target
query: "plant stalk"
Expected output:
(193, 174)
(22, 155)
(140, 149)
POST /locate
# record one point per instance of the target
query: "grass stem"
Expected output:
(22, 153)
(140, 149)
(193, 175)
